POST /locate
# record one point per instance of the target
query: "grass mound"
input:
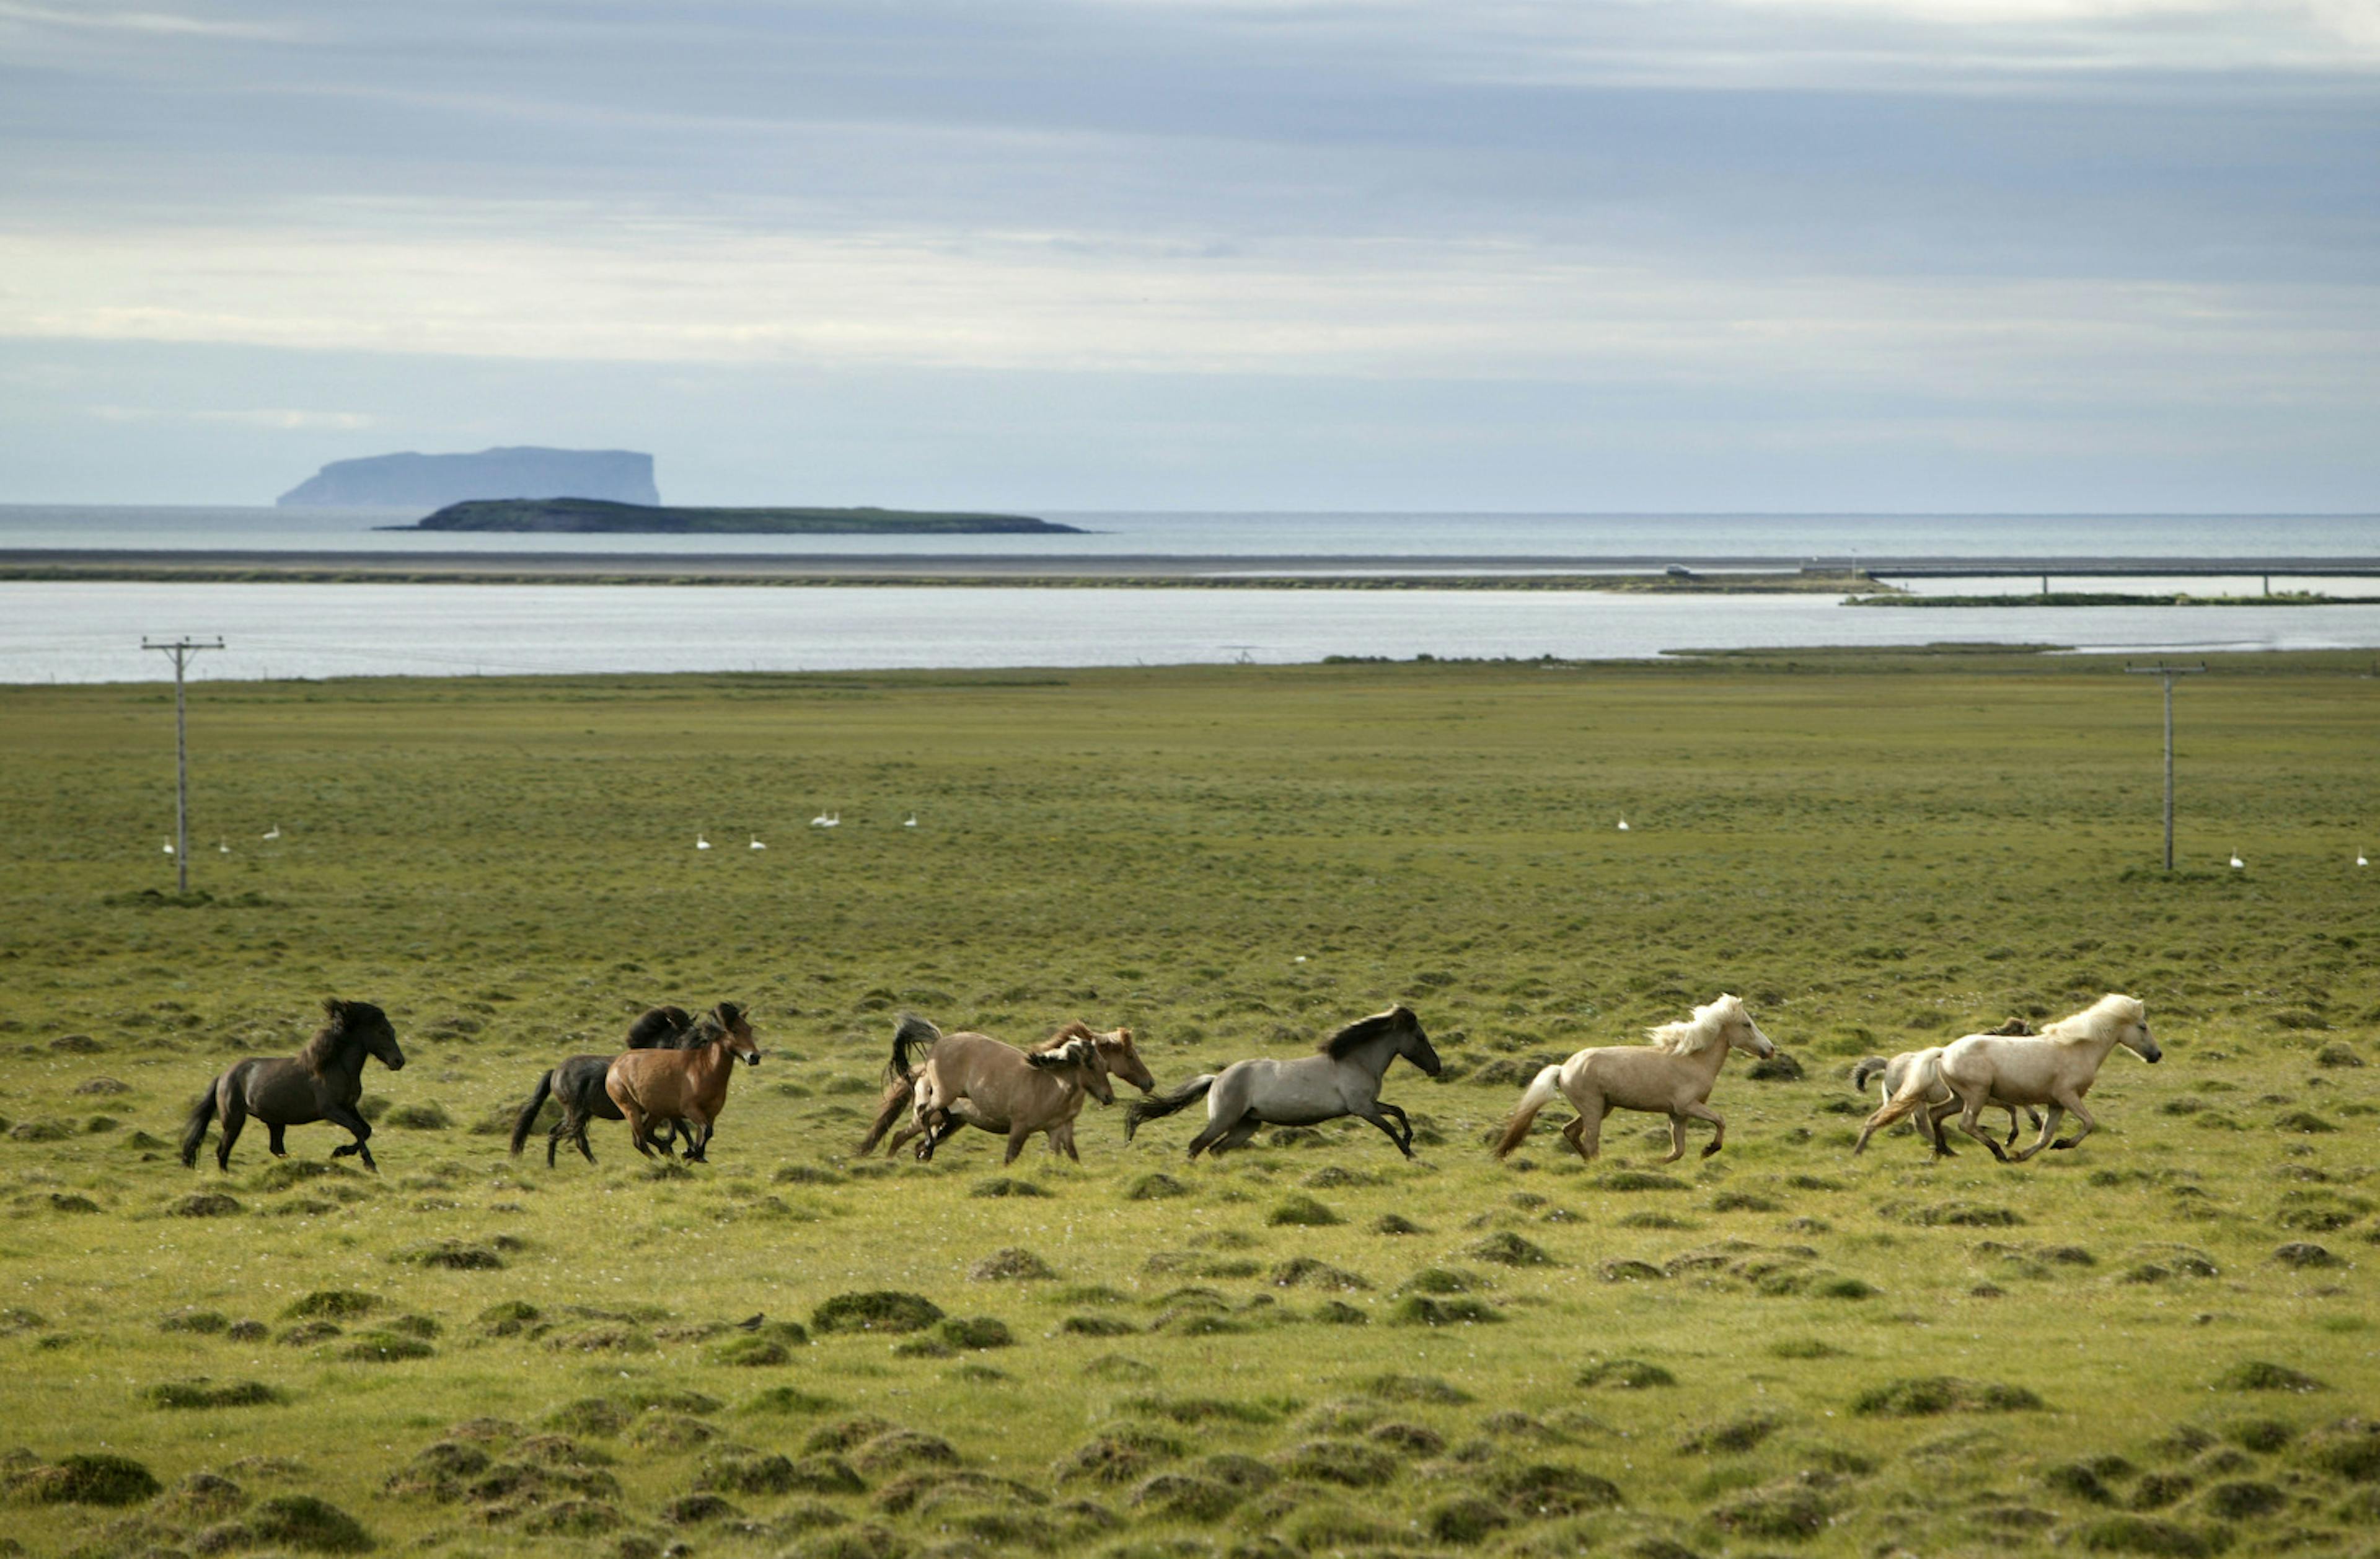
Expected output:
(879, 1309)
(1933, 1395)
(86, 1478)
(1012, 1264)
(2263, 1374)
(309, 1524)
(1302, 1211)
(204, 1392)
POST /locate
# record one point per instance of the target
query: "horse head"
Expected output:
(1741, 1032)
(1117, 1053)
(738, 1026)
(1412, 1044)
(1081, 1055)
(360, 1024)
(2133, 1034)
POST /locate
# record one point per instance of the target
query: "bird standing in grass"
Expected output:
(169, 847)
(2237, 864)
(911, 821)
(700, 843)
(756, 842)
(273, 833)
(1623, 825)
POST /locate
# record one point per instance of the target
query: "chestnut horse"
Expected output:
(974, 1080)
(687, 1085)
(577, 1084)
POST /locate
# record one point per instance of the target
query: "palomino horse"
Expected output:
(577, 1084)
(687, 1085)
(1893, 1073)
(2055, 1068)
(974, 1080)
(322, 1084)
(1343, 1079)
(1672, 1076)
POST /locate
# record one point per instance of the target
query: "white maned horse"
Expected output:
(2055, 1068)
(1672, 1076)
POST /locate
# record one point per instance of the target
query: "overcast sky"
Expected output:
(1929, 255)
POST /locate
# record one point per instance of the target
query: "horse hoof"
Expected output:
(2064, 1142)
(1709, 1151)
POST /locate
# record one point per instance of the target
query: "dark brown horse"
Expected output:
(322, 1084)
(577, 1084)
(687, 1085)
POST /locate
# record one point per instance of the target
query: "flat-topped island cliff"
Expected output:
(595, 515)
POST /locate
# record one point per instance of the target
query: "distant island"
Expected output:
(590, 515)
(622, 476)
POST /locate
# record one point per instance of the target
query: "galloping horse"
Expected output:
(577, 1084)
(1672, 1076)
(1895, 1072)
(322, 1084)
(1343, 1078)
(974, 1080)
(2054, 1068)
(687, 1085)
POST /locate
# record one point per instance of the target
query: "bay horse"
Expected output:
(687, 1085)
(322, 1082)
(577, 1084)
(2055, 1068)
(974, 1080)
(1673, 1075)
(1341, 1079)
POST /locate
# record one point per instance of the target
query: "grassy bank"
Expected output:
(2151, 1340)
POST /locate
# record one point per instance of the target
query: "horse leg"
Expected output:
(272, 1139)
(1016, 1136)
(635, 1116)
(1061, 1140)
(1929, 1124)
(2073, 1107)
(345, 1117)
(1971, 1115)
(231, 1105)
(1403, 1126)
(1703, 1112)
(2057, 1113)
(1216, 1130)
(1378, 1115)
(1585, 1134)
(1239, 1134)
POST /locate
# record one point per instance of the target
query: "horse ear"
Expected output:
(333, 1008)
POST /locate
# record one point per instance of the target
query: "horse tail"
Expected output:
(1925, 1080)
(1865, 1068)
(1139, 1109)
(194, 1130)
(1538, 1094)
(909, 1033)
(898, 1094)
(526, 1120)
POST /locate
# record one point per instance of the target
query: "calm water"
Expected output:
(91, 632)
(1684, 537)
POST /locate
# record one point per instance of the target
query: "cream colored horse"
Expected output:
(1672, 1076)
(2055, 1068)
(974, 1080)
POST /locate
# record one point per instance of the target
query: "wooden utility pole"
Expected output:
(2169, 672)
(181, 650)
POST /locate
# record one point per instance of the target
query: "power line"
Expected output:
(181, 650)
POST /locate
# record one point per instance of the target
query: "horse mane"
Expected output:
(659, 1027)
(1339, 1046)
(704, 1031)
(1077, 1029)
(335, 1039)
(2110, 1011)
(1690, 1036)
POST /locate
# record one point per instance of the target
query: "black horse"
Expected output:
(322, 1084)
(577, 1084)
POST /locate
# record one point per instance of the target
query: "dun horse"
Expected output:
(322, 1084)
(687, 1085)
(2055, 1068)
(1343, 1079)
(1672, 1076)
(577, 1084)
(974, 1080)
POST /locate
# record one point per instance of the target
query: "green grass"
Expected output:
(1780, 1349)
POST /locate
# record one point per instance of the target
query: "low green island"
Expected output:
(598, 516)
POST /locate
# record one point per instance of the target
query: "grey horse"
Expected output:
(322, 1083)
(1341, 1079)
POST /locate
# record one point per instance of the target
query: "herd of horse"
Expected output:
(670, 1084)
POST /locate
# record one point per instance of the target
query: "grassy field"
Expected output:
(2158, 1343)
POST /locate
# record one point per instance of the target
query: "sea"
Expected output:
(58, 633)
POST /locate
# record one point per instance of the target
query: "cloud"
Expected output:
(158, 24)
(272, 419)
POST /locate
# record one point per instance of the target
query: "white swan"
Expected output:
(911, 821)
(275, 832)
(821, 821)
(700, 843)
(2237, 864)
(756, 842)
(1623, 825)
(169, 847)
(2360, 860)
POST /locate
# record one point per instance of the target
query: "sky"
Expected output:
(1938, 256)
